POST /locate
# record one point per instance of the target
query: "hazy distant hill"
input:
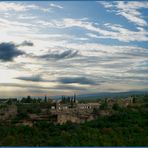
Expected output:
(106, 94)
(110, 94)
(95, 95)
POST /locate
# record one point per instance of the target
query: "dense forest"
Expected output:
(127, 127)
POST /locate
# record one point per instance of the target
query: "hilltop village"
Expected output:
(28, 111)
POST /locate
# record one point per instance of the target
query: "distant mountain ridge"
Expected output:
(110, 94)
(100, 95)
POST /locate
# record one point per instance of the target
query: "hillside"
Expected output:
(126, 127)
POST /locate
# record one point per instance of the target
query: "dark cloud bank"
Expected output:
(62, 80)
(34, 78)
(60, 55)
(79, 80)
(26, 43)
(9, 51)
(41, 88)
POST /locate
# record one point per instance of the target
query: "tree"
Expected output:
(116, 107)
(104, 106)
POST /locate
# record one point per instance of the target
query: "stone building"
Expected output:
(88, 105)
(73, 116)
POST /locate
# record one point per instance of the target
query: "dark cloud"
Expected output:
(69, 87)
(21, 85)
(138, 71)
(63, 80)
(116, 65)
(128, 79)
(60, 55)
(79, 80)
(37, 91)
(9, 51)
(26, 43)
(136, 53)
(33, 78)
(41, 88)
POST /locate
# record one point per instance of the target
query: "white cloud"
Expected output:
(56, 6)
(26, 17)
(129, 10)
(21, 7)
(110, 31)
(12, 6)
(117, 32)
(92, 35)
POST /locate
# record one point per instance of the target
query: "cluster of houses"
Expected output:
(68, 109)
(74, 111)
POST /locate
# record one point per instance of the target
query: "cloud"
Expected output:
(42, 88)
(53, 50)
(33, 78)
(78, 80)
(111, 31)
(56, 6)
(60, 55)
(129, 10)
(138, 71)
(20, 7)
(106, 51)
(23, 86)
(26, 17)
(69, 87)
(92, 35)
(26, 43)
(12, 6)
(9, 51)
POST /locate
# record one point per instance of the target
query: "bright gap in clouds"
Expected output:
(62, 47)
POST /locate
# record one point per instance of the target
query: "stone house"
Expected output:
(63, 117)
(88, 105)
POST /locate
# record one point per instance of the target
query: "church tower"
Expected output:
(74, 98)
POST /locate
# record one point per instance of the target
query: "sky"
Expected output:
(60, 47)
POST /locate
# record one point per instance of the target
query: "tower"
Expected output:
(45, 98)
(74, 98)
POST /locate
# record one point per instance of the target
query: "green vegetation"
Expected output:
(126, 127)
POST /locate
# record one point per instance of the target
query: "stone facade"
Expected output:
(88, 105)
(63, 117)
